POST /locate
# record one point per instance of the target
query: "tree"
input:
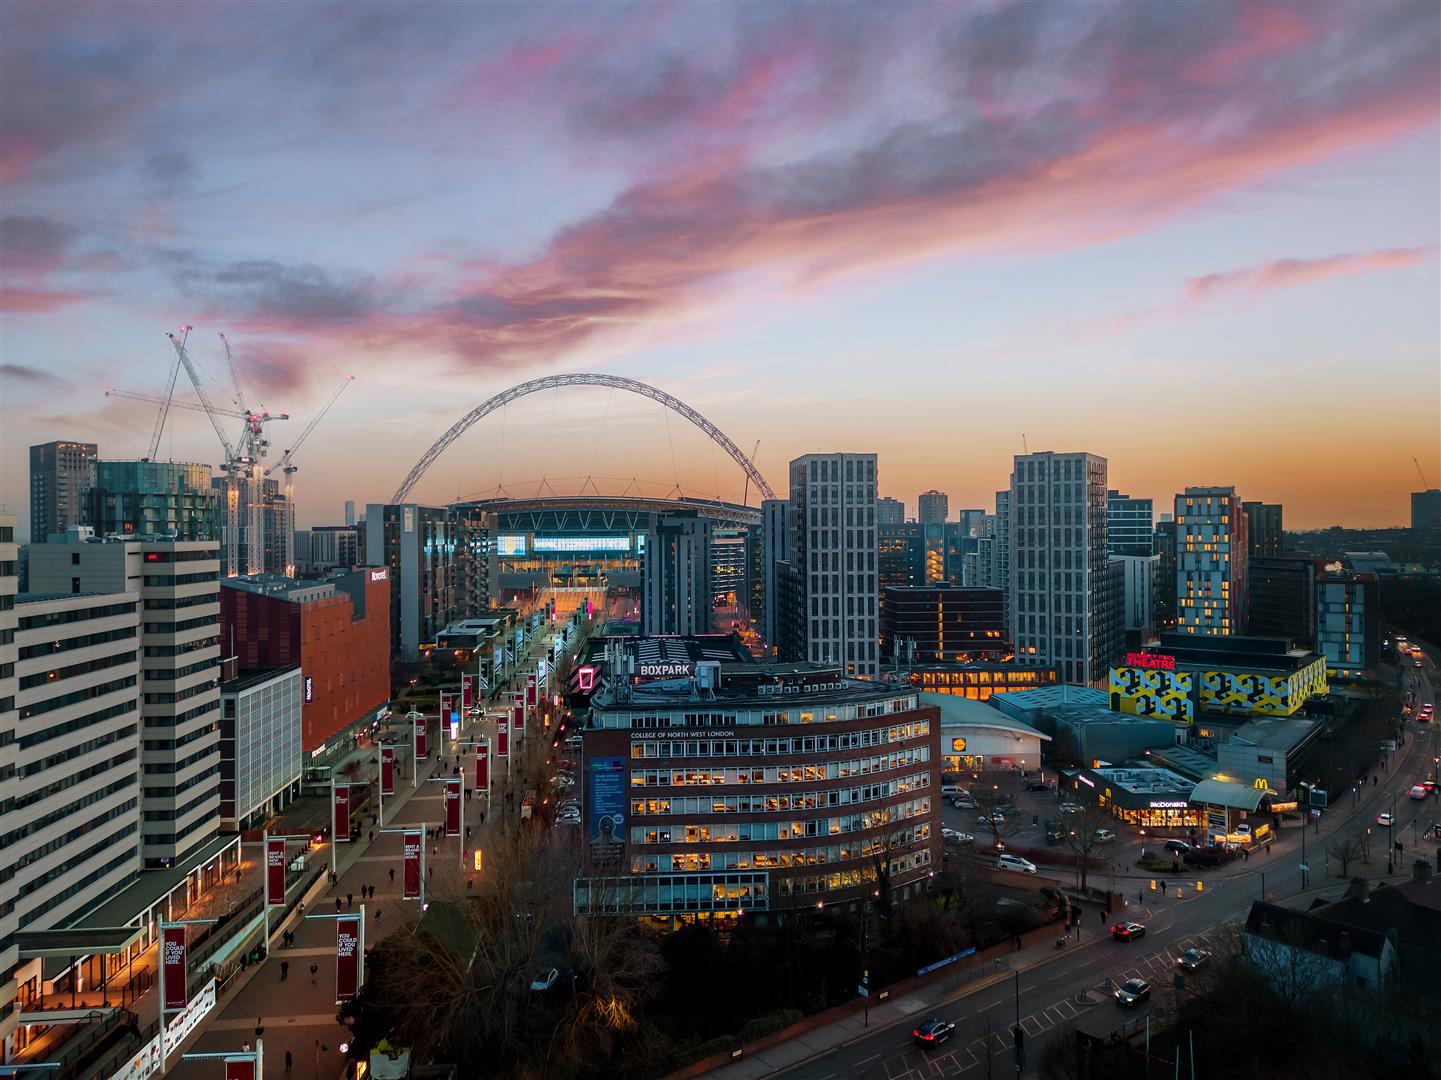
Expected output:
(1082, 839)
(994, 796)
(1344, 849)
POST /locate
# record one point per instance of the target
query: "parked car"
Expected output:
(1243, 829)
(1127, 931)
(1133, 992)
(1191, 959)
(1070, 808)
(961, 802)
(995, 815)
(953, 836)
(933, 1033)
(1037, 785)
(1103, 836)
(1385, 819)
(545, 980)
(1015, 862)
(1178, 847)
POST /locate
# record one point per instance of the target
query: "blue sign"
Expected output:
(605, 801)
(948, 960)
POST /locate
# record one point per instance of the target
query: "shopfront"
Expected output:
(1145, 797)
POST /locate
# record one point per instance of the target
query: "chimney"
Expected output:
(1421, 871)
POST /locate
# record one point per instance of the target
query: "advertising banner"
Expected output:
(275, 872)
(530, 691)
(482, 767)
(467, 692)
(453, 795)
(502, 738)
(517, 712)
(605, 807)
(447, 706)
(347, 958)
(240, 1068)
(387, 770)
(172, 957)
(342, 812)
(422, 747)
(414, 842)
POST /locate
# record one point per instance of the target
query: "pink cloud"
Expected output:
(19, 301)
(1287, 273)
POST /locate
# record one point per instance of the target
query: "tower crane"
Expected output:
(246, 416)
(164, 403)
(290, 469)
(1424, 485)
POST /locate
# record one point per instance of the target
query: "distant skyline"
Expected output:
(1200, 240)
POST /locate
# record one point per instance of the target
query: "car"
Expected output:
(933, 1032)
(545, 980)
(1037, 785)
(1418, 792)
(994, 816)
(1415, 663)
(1178, 847)
(1429, 785)
(1133, 992)
(1015, 862)
(1103, 836)
(954, 836)
(961, 803)
(1191, 959)
(1070, 808)
(1385, 820)
(1243, 829)
(1127, 931)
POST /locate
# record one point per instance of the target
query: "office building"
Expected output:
(932, 507)
(350, 513)
(62, 475)
(336, 632)
(656, 843)
(1281, 597)
(834, 548)
(260, 745)
(776, 546)
(900, 555)
(420, 546)
(1426, 509)
(178, 585)
(677, 593)
(728, 572)
(890, 511)
(977, 680)
(1210, 562)
(1064, 607)
(154, 498)
(928, 624)
(1348, 622)
(1140, 581)
(1129, 530)
(1263, 530)
(1001, 558)
(1165, 547)
(325, 549)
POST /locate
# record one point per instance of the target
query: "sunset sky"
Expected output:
(1199, 239)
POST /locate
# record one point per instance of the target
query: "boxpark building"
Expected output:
(737, 787)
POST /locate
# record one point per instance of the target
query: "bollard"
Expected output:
(1178, 892)
(1153, 884)
(1200, 886)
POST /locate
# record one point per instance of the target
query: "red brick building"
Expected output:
(337, 631)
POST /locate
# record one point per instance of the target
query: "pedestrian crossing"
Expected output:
(1156, 968)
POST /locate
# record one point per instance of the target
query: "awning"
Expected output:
(1232, 796)
(82, 941)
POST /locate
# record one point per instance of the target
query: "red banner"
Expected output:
(347, 957)
(502, 738)
(445, 707)
(275, 872)
(414, 844)
(482, 768)
(453, 795)
(422, 750)
(239, 1069)
(530, 691)
(341, 810)
(172, 959)
(517, 713)
(467, 693)
(387, 770)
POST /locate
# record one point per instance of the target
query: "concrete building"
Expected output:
(1129, 528)
(350, 513)
(900, 555)
(1426, 509)
(1032, 704)
(422, 549)
(1210, 562)
(930, 624)
(932, 507)
(834, 549)
(260, 749)
(1065, 614)
(976, 738)
(978, 680)
(712, 822)
(256, 525)
(1264, 532)
(154, 498)
(178, 585)
(62, 475)
(1348, 622)
(1141, 580)
(677, 592)
(1165, 546)
(729, 572)
(326, 548)
(776, 528)
(1086, 734)
(890, 511)
(1269, 753)
(1001, 558)
(9, 654)
(1281, 597)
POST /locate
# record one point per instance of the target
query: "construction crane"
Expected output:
(164, 403)
(246, 416)
(285, 465)
(747, 493)
(1424, 485)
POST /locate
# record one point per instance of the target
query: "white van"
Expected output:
(957, 796)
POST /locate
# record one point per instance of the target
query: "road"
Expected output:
(1070, 989)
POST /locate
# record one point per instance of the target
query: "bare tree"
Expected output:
(1344, 849)
(994, 795)
(1086, 833)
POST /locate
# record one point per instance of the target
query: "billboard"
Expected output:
(275, 872)
(605, 805)
(340, 809)
(172, 961)
(482, 767)
(517, 712)
(453, 795)
(387, 770)
(413, 844)
(422, 742)
(502, 738)
(467, 692)
(510, 545)
(347, 958)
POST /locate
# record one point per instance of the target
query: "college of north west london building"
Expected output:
(756, 787)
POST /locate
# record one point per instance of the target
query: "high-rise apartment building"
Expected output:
(834, 548)
(1141, 579)
(61, 477)
(9, 719)
(890, 511)
(1062, 597)
(154, 498)
(1263, 530)
(929, 624)
(256, 526)
(1281, 598)
(178, 586)
(1128, 525)
(1001, 557)
(932, 507)
(1210, 562)
(1426, 509)
(900, 555)
(350, 513)
(677, 591)
(1165, 545)
(325, 548)
(421, 547)
(1348, 622)
(776, 543)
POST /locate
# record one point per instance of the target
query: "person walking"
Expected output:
(314, 968)
(284, 969)
(349, 899)
(392, 875)
(337, 905)
(288, 1062)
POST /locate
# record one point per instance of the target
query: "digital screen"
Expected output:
(510, 545)
(605, 805)
(582, 543)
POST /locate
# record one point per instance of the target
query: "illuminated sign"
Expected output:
(1168, 804)
(510, 545)
(586, 678)
(1087, 781)
(582, 543)
(665, 669)
(1282, 807)
(309, 689)
(379, 575)
(1153, 661)
(958, 746)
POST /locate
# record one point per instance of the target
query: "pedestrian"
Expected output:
(259, 1027)
(377, 914)
(313, 969)
(288, 1062)
(337, 905)
(1246, 855)
(302, 911)
(1163, 886)
(349, 899)
(245, 1047)
(284, 969)
(467, 832)
(392, 875)
(372, 836)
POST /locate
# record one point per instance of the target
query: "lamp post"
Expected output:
(160, 967)
(1305, 820)
(1018, 1035)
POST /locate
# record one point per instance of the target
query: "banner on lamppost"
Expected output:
(453, 796)
(342, 812)
(467, 693)
(517, 713)
(446, 705)
(275, 872)
(240, 1068)
(422, 749)
(502, 738)
(172, 959)
(482, 767)
(387, 770)
(347, 958)
(414, 842)
(530, 691)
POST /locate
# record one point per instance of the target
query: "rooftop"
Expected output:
(1234, 796)
(1147, 780)
(959, 711)
(281, 588)
(1184, 760)
(1311, 932)
(252, 679)
(677, 649)
(748, 684)
(1274, 733)
(1016, 702)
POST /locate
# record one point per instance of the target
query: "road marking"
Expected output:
(863, 1061)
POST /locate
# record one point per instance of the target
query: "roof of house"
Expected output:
(1312, 932)
(1411, 908)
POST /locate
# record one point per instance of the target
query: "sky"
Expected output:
(1200, 239)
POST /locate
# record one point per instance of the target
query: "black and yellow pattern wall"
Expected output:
(1156, 694)
(1167, 695)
